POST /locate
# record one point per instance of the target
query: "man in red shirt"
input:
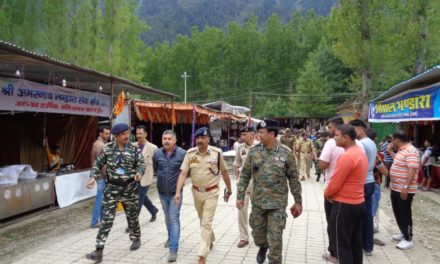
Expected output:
(346, 191)
(403, 186)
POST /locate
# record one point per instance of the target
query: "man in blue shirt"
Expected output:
(371, 151)
(166, 163)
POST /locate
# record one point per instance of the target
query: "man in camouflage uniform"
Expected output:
(319, 145)
(271, 166)
(305, 152)
(125, 167)
(288, 139)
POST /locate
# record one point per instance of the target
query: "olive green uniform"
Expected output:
(273, 171)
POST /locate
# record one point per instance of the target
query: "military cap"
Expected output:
(119, 128)
(247, 129)
(268, 123)
(203, 131)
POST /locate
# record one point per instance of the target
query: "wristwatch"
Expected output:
(405, 187)
(229, 193)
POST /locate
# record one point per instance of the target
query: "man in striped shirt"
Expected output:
(403, 186)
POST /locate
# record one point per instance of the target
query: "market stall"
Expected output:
(415, 106)
(41, 97)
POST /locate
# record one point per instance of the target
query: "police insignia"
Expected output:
(263, 124)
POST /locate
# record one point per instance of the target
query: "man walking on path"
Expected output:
(403, 186)
(204, 164)
(148, 149)
(271, 166)
(247, 134)
(167, 162)
(98, 146)
(327, 161)
(125, 167)
(305, 151)
(346, 192)
(367, 220)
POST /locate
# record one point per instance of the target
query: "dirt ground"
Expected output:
(29, 234)
(426, 224)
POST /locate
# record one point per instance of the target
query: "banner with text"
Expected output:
(415, 105)
(23, 95)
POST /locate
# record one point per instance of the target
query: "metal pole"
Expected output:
(185, 76)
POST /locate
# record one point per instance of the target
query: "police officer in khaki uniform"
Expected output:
(205, 164)
(247, 134)
(304, 151)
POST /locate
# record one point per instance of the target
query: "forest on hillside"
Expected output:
(303, 66)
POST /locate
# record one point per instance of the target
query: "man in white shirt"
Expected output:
(327, 161)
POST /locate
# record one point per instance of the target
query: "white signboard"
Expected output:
(23, 95)
(71, 188)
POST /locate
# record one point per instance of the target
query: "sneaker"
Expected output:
(397, 237)
(368, 253)
(172, 257)
(378, 242)
(404, 244)
(329, 258)
(135, 245)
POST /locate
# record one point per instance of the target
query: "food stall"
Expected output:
(414, 106)
(41, 97)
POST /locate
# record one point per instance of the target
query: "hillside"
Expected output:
(167, 18)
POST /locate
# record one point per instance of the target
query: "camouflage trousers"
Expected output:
(129, 197)
(267, 230)
(318, 171)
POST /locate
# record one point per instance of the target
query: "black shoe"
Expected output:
(153, 216)
(95, 255)
(261, 256)
(135, 245)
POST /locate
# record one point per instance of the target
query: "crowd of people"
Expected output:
(268, 163)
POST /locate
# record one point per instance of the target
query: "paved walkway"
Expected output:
(304, 238)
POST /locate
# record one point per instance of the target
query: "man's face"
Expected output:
(265, 136)
(304, 136)
(359, 132)
(122, 138)
(331, 129)
(288, 133)
(247, 137)
(339, 138)
(202, 141)
(141, 135)
(105, 134)
(168, 141)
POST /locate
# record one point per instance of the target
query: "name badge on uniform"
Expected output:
(243, 152)
(120, 171)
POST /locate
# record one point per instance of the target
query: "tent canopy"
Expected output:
(37, 68)
(170, 112)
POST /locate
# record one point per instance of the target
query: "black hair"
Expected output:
(348, 130)
(402, 136)
(358, 123)
(372, 134)
(387, 138)
(142, 127)
(275, 130)
(102, 128)
(335, 120)
(324, 134)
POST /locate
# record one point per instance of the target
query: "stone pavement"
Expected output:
(304, 239)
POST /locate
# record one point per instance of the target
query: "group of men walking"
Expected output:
(265, 172)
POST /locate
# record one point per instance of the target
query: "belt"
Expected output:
(205, 189)
(121, 183)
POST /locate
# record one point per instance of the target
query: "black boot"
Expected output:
(95, 255)
(318, 177)
(261, 256)
(135, 245)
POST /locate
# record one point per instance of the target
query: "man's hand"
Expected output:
(90, 183)
(176, 198)
(137, 177)
(404, 194)
(239, 204)
(226, 196)
(296, 210)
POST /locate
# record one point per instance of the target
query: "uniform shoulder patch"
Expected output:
(285, 147)
(194, 149)
(215, 149)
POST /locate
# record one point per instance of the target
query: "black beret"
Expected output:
(268, 123)
(203, 131)
(247, 129)
(119, 128)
